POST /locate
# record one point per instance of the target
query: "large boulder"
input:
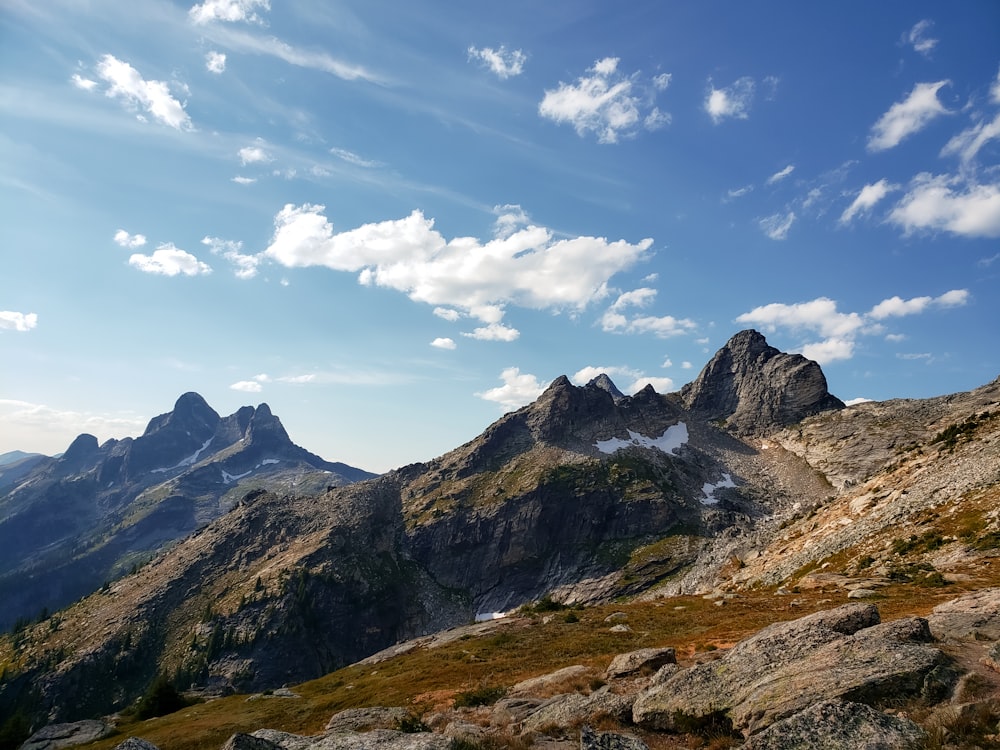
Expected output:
(788, 667)
(56, 736)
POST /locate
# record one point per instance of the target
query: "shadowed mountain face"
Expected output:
(753, 388)
(585, 495)
(70, 524)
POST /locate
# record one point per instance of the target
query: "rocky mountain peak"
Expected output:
(605, 383)
(191, 414)
(756, 388)
(264, 427)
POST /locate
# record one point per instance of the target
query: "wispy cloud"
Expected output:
(780, 175)
(502, 62)
(866, 199)
(605, 102)
(907, 117)
(777, 225)
(733, 101)
(245, 266)
(215, 62)
(352, 158)
(918, 38)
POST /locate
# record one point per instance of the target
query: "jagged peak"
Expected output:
(605, 383)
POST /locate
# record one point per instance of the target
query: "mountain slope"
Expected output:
(70, 524)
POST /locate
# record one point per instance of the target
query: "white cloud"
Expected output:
(41, 425)
(895, 307)
(260, 45)
(685, 365)
(779, 176)
(168, 260)
(494, 332)
(739, 192)
(641, 297)
(444, 343)
(839, 331)
(240, 180)
(585, 374)
(995, 89)
(255, 154)
(968, 143)
(131, 241)
(606, 103)
(660, 385)
(667, 363)
(614, 319)
(662, 81)
(517, 389)
(776, 226)
(907, 117)
(917, 37)
(17, 321)
(154, 97)
(215, 62)
(502, 62)
(228, 10)
(527, 268)
(510, 218)
(732, 101)
(447, 313)
(247, 386)
(83, 83)
(947, 203)
(352, 158)
(866, 199)
(245, 265)
(856, 401)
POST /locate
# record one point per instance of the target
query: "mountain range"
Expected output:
(751, 476)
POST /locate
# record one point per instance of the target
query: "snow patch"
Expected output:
(673, 438)
(190, 460)
(228, 478)
(709, 489)
(487, 616)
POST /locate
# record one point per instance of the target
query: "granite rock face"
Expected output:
(754, 388)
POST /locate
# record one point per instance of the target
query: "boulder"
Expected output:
(573, 708)
(377, 739)
(241, 741)
(834, 725)
(547, 682)
(56, 736)
(788, 667)
(645, 660)
(591, 740)
(972, 617)
(136, 743)
(365, 719)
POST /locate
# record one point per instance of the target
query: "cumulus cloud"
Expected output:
(215, 62)
(907, 117)
(444, 343)
(131, 241)
(247, 386)
(732, 101)
(633, 380)
(779, 176)
(245, 266)
(918, 39)
(83, 83)
(605, 102)
(839, 331)
(255, 154)
(616, 318)
(510, 218)
(17, 321)
(153, 97)
(527, 268)
(494, 332)
(866, 199)
(517, 390)
(447, 313)
(777, 225)
(502, 62)
(229, 10)
(168, 260)
(950, 204)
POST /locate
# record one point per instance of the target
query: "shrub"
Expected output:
(160, 699)
(481, 696)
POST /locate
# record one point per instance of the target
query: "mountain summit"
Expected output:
(754, 388)
(72, 523)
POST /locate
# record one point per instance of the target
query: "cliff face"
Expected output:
(754, 388)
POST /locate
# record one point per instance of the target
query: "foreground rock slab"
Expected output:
(787, 667)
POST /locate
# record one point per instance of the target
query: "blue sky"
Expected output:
(393, 223)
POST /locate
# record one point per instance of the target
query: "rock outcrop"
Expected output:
(753, 388)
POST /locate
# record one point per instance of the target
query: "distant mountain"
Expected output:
(752, 476)
(72, 523)
(13, 457)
